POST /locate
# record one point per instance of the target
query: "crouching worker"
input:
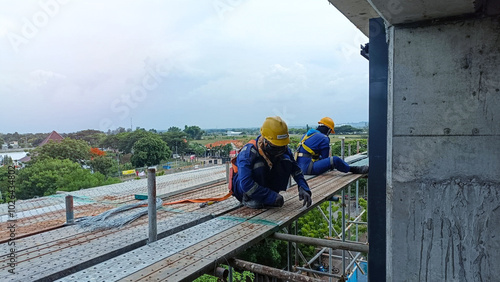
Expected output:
(263, 168)
(313, 152)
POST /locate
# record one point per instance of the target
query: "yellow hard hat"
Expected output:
(328, 122)
(275, 131)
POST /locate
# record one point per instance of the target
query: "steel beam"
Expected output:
(378, 150)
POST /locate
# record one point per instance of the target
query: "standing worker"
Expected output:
(313, 152)
(264, 166)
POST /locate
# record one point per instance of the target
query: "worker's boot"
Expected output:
(359, 169)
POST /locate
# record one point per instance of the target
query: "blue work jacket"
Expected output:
(319, 143)
(256, 181)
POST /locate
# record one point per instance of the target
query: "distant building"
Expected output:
(14, 144)
(23, 160)
(213, 148)
(53, 136)
(232, 133)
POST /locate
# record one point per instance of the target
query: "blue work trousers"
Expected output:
(323, 165)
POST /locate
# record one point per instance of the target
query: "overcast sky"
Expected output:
(97, 64)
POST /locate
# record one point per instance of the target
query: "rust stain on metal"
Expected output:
(38, 223)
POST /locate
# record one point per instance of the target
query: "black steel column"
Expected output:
(378, 54)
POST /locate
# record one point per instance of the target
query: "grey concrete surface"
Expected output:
(443, 193)
(406, 11)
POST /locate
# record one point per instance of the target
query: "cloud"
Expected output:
(225, 65)
(42, 77)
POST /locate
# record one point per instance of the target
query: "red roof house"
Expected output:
(54, 136)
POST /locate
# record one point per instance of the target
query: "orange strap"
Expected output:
(202, 200)
(232, 170)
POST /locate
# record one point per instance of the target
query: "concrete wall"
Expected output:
(444, 152)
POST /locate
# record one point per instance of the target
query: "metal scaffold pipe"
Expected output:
(270, 271)
(70, 217)
(318, 272)
(335, 244)
(342, 148)
(152, 205)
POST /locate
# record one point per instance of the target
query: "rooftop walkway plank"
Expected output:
(44, 213)
(208, 243)
(51, 255)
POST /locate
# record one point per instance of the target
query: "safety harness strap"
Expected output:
(313, 155)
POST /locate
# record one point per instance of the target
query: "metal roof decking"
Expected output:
(191, 239)
(192, 252)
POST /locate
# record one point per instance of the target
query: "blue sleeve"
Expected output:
(324, 147)
(248, 185)
(297, 174)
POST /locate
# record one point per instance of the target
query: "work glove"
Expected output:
(279, 201)
(306, 196)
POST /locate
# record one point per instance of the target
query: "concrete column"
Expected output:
(443, 177)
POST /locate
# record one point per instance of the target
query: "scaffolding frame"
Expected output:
(350, 259)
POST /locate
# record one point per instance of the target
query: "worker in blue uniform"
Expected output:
(264, 167)
(313, 153)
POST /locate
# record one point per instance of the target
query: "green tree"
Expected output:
(75, 150)
(104, 165)
(126, 140)
(91, 136)
(364, 218)
(176, 141)
(149, 151)
(197, 149)
(300, 131)
(6, 160)
(194, 132)
(4, 183)
(267, 252)
(47, 176)
(345, 129)
(174, 129)
(294, 142)
(237, 277)
(37, 138)
(337, 147)
(226, 150)
(314, 225)
(110, 141)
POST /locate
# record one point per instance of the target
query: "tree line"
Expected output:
(77, 162)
